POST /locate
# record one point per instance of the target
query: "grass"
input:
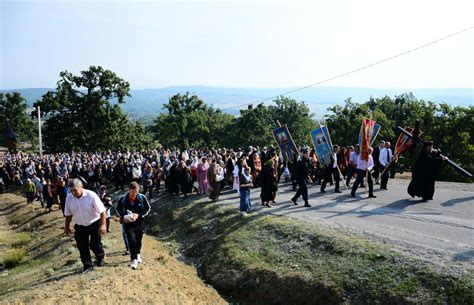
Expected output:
(272, 259)
(13, 257)
(14, 239)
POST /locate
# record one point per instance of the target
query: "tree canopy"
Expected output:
(451, 128)
(81, 116)
(13, 108)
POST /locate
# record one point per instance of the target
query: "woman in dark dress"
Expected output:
(268, 183)
(185, 179)
(424, 173)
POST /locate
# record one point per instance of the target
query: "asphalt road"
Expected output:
(441, 230)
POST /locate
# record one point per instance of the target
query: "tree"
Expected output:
(13, 108)
(253, 127)
(296, 115)
(450, 128)
(81, 116)
(189, 122)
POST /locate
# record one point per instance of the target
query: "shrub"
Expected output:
(13, 257)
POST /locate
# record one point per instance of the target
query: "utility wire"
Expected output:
(358, 69)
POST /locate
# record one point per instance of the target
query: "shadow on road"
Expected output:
(395, 207)
(455, 201)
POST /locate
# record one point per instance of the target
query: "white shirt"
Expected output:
(383, 159)
(363, 165)
(86, 209)
(353, 158)
(335, 160)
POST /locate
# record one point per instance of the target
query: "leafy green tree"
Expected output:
(297, 116)
(13, 108)
(253, 127)
(81, 116)
(450, 128)
(189, 122)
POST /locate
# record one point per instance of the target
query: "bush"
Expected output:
(13, 257)
(15, 239)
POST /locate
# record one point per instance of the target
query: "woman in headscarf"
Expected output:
(267, 183)
(185, 180)
(202, 175)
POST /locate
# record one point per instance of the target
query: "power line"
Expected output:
(358, 69)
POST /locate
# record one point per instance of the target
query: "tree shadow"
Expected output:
(455, 201)
(465, 256)
(12, 208)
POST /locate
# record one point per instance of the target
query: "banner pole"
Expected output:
(332, 157)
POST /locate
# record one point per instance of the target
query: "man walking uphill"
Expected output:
(132, 208)
(301, 176)
(89, 212)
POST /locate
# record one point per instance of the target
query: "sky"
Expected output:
(251, 44)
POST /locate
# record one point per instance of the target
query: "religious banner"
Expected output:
(257, 166)
(404, 142)
(285, 142)
(374, 134)
(322, 145)
(366, 131)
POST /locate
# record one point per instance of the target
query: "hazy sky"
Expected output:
(238, 44)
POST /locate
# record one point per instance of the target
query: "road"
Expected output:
(441, 230)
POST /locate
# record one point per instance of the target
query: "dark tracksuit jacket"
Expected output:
(141, 206)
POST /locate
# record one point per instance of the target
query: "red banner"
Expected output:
(404, 142)
(366, 131)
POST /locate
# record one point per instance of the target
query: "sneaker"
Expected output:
(139, 258)
(86, 270)
(243, 214)
(134, 264)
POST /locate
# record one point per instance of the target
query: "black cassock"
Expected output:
(423, 175)
(267, 183)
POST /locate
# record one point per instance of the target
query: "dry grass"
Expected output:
(13, 257)
(14, 239)
(50, 272)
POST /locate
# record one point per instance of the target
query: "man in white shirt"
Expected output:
(333, 170)
(385, 158)
(362, 166)
(90, 214)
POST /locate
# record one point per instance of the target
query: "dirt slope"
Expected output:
(49, 275)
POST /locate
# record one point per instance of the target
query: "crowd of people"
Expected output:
(67, 178)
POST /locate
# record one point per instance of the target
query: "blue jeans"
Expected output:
(124, 235)
(245, 204)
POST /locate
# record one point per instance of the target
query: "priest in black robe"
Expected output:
(424, 172)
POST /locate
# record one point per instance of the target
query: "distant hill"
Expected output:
(150, 101)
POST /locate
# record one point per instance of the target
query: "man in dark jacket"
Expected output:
(133, 208)
(301, 175)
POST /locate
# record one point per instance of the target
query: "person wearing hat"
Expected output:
(424, 172)
(301, 175)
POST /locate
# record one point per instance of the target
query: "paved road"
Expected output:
(441, 229)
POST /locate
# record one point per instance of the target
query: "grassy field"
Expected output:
(48, 272)
(274, 260)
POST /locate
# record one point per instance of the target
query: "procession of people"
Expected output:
(79, 182)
